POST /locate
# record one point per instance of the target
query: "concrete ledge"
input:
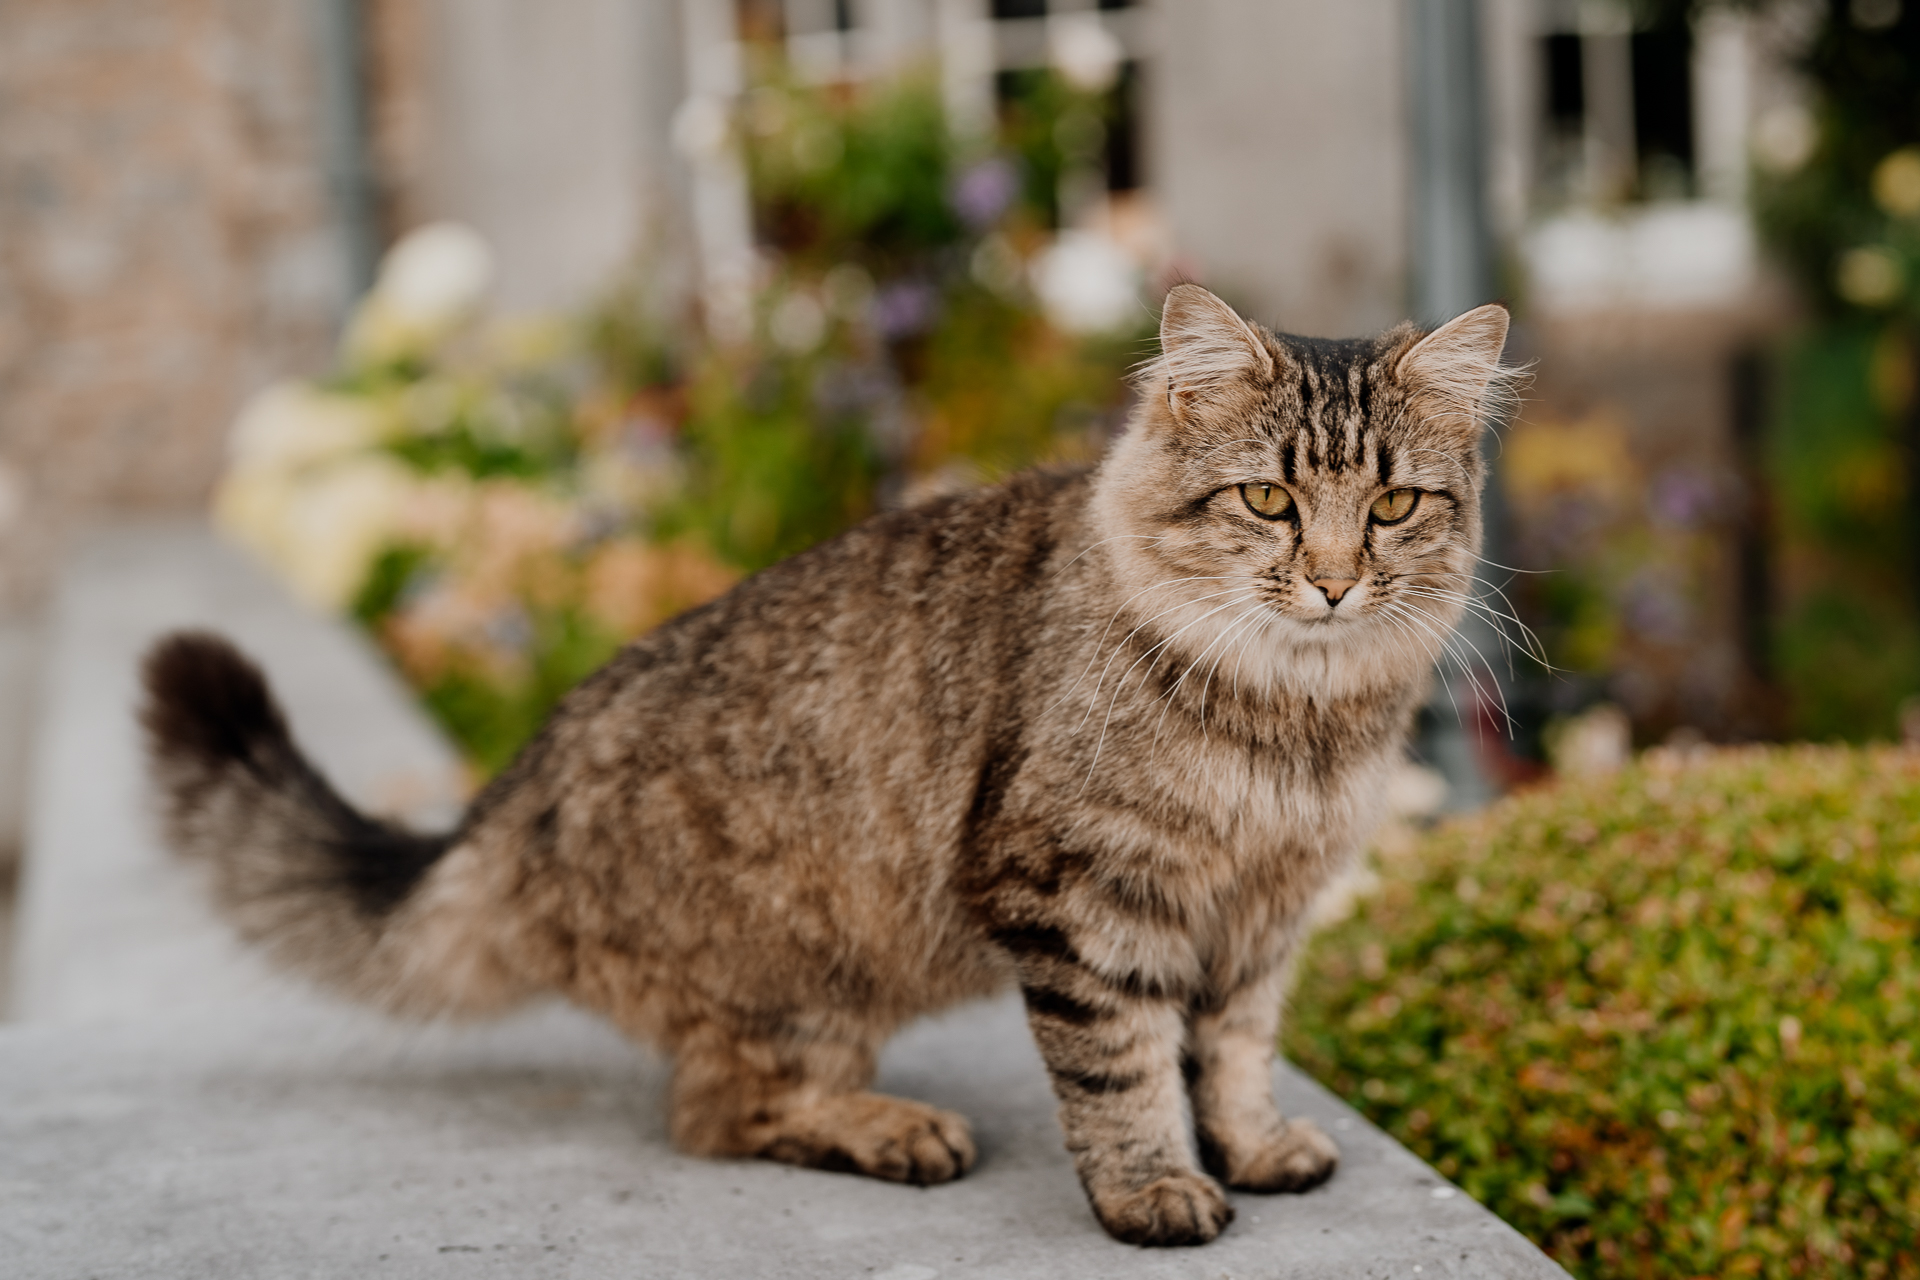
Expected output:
(175, 1110)
(308, 1146)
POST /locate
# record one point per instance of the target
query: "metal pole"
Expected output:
(1452, 272)
(349, 161)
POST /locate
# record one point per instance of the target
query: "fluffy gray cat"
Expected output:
(1102, 735)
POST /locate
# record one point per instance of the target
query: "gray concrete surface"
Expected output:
(108, 926)
(173, 1110)
(320, 1145)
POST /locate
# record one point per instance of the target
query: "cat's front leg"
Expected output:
(1229, 1066)
(1113, 1052)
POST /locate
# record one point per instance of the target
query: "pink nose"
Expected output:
(1334, 588)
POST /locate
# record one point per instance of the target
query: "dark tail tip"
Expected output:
(207, 702)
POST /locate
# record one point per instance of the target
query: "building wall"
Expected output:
(546, 125)
(1279, 156)
(165, 248)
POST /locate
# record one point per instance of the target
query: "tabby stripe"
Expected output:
(1036, 940)
(1099, 1081)
(1061, 1007)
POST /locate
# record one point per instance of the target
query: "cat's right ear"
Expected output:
(1206, 350)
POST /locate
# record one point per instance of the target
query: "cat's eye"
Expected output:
(1392, 508)
(1268, 501)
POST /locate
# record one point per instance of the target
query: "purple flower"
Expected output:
(1683, 497)
(903, 307)
(984, 191)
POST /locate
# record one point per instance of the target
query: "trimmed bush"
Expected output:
(1664, 1022)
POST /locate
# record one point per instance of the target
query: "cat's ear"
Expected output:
(1206, 350)
(1457, 367)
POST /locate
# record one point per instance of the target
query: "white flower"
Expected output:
(322, 528)
(1085, 52)
(436, 274)
(291, 424)
(430, 283)
(798, 323)
(1087, 283)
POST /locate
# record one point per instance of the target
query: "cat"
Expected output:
(1098, 734)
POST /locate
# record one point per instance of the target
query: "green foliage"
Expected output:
(1847, 646)
(1664, 1023)
(1845, 216)
(491, 716)
(851, 176)
(1868, 107)
(768, 473)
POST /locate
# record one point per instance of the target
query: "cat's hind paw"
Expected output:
(896, 1139)
(1179, 1208)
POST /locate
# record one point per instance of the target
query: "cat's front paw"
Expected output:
(1178, 1208)
(1297, 1156)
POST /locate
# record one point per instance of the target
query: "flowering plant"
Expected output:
(503, 505)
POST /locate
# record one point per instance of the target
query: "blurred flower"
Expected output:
(984, 191)
(798, 323)
(1542, 463)
(430, 283)
(904, 307)
(292, 424)
(1087, 284)
(436, 274)
(320, 528)
(1896, 183)
(631, 586)
(1868, 276)
(996, 265)
(849, 290)
(1682, 497)
(1084, 51)
(1784, 138)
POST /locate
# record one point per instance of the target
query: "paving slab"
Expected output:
(108, 925)
(173, 1109)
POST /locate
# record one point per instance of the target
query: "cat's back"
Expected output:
(952, 584)
(887, 648)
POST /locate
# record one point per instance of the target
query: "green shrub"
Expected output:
(1664, 1023)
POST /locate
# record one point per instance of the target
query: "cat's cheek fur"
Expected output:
(1086, 733)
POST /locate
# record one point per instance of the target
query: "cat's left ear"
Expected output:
(1207, 351)
(1458, 366)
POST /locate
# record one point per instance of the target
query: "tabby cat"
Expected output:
(1101, 734)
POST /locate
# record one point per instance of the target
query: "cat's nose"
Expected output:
(1334, 588)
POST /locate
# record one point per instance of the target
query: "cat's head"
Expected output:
(1316, 496)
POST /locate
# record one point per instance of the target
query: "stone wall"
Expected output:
(165, 248)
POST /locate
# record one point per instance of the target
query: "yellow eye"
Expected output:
(1268, 501)
(1392, 508)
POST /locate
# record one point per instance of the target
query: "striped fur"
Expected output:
(1095, 734)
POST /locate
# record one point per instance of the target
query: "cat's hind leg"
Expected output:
(807, 1103)
(1229, 1067)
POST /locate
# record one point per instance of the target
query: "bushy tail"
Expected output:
(328, 891)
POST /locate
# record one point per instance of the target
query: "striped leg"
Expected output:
(1114, 1055)
(1243, 1138)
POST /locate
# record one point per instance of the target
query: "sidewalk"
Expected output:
(169, 1108)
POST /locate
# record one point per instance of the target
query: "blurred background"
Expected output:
(511, 328)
